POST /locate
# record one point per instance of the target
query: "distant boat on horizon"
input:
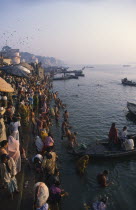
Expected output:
(89, 66)
(126, 65)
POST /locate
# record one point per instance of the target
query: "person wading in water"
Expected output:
(102, 179)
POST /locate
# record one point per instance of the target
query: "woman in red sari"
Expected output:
(113, 134)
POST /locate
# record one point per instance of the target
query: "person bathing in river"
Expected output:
(113, 135)
(101, 204)
(56, 193)
(66, 115)
(57, 115)
(68, 134)
(82, 164)
(72, 140)
(63, 128)
(102, 179)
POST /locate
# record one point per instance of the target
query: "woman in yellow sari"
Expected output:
(82, 164)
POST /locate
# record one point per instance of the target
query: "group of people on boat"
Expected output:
(120, 139)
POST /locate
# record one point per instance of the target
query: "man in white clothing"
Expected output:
(124, 134)
(129, 144)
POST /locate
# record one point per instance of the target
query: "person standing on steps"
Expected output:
(7, 174)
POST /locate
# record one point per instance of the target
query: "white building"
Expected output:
(13, 54)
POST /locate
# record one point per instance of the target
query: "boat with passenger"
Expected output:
(101, 150)
(125, 81)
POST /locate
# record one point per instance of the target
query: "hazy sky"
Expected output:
(76, 31)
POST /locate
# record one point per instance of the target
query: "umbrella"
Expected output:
(5, 87)
(16, 70)
(22, 68)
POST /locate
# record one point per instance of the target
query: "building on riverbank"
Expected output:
(5, 61)
(10, 56)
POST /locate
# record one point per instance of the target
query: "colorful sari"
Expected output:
(14, 152)
(113, 135)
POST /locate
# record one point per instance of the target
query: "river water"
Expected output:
(94, 102)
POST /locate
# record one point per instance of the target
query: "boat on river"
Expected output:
(67, 77)
(125, 81)
(89, 67)
(126, 65)
(79, 73)
(101, 150)
(131, 107)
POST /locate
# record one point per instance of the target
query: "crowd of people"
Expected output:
(34, 107)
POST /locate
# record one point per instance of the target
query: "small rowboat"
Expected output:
(131, 107)
(101, 150)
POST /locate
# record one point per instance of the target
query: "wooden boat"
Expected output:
(89, 67)
(131, 117)
(66, 77)
(126, 65)
(125, 81)
(79, 73)
(73, 77)
(101, 150)
(60, 78)
(131, 107)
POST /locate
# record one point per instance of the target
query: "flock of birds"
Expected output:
(15, 40)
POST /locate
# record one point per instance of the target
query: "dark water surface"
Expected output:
(94, 102)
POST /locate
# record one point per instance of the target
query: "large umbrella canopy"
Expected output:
(16, 70)
(22, 68)
(5, 87)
